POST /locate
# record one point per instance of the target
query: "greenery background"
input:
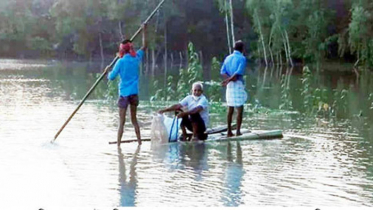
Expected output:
(276, 31)
(310, 35)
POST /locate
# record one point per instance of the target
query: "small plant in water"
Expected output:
(112, 90)
(286, 102)
(214, 89)
(182, 84)
(170, 90)
(194, 65)
(158, 95)
(186, 77)
(339, 105)
(307, 90)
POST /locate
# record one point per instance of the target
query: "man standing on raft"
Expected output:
(233, 69)
(127, 67)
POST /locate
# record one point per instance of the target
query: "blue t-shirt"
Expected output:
(234, 63)
(128, 69)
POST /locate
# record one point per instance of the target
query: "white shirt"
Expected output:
(202, 101)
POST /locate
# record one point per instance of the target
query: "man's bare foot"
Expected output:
(195, 138)
(230, 134)
(238, 133)
(184, 138)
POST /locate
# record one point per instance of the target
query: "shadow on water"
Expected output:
(128, 187)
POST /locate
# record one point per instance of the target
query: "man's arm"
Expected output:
(193, 111)
(229, 79)
(241, 67)
(202, 105)
(240, 71)
(223, 71)
(144, 42)
(171, 108)
(226, 77)
(114, 73)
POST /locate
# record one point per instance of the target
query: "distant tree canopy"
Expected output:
(276, 31)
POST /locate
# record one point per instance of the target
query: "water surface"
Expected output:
(319, 162)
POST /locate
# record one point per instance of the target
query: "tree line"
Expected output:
(277, 32)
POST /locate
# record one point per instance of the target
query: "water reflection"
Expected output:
(234, 173)
(196, 158)
(128, 188)
(183, 156)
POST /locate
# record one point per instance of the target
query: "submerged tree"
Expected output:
(313, 14)
(260, 14)
(226, 8)
(361, 32)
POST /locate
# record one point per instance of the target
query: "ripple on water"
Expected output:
(310, 166)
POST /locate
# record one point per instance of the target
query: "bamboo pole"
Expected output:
(104, 73)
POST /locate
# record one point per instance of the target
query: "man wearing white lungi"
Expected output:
(233, 69)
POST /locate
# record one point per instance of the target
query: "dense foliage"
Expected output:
(278, 31)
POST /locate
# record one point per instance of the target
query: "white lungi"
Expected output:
(236, 95)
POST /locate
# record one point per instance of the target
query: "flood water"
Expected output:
(319, 162)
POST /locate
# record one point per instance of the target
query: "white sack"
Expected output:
(163, 127)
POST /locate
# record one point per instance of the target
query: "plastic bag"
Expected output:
(172, 125)
(158, 133)
(164, 129)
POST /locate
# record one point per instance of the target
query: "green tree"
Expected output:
(361, 32)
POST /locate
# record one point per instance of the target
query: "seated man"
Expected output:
(196, 118)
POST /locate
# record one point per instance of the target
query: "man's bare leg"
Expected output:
(195, 132)
(183, 129)
(239, 120)
(122, 121)
(229, 121)
(135, 123)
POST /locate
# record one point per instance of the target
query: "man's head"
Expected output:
(197, 89)
(239, 46)
(127, 44)
(126, 47)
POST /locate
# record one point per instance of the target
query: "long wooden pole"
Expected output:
(104, 73)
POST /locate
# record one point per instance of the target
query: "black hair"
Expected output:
(239, 46)
(125, 41)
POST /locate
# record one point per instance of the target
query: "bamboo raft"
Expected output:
(219, 134)
(247, 135)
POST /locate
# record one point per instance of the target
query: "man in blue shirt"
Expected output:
(233, 69)
(127, 67)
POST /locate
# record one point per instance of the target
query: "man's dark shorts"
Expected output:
(195, 118)
(124, 101)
